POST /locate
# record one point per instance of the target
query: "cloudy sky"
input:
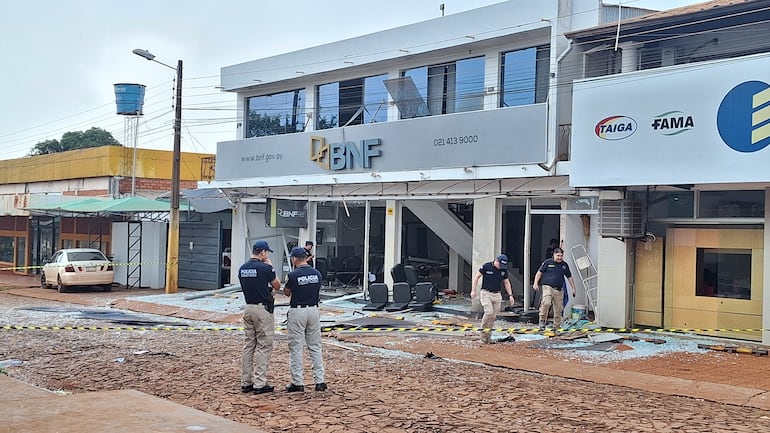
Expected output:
(61, 58)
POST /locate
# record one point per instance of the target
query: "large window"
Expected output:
(451, 87)
(602, 61)
(6, 249)
(352, 102)
(720, 204)
(280, 113)
(524, 76)
(723, 273)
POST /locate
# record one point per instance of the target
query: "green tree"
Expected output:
(94, 137)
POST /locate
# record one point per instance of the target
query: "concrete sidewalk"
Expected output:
(25, 408)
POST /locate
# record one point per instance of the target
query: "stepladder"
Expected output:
(588, 276)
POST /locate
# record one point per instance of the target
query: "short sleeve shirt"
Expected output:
(255, 278)
(491, 277)
(554, 273)
(305, 285)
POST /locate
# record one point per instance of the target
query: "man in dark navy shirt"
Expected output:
(304, 321)
(552, 273)
(258, 282)
(310, 255)
(493, 276)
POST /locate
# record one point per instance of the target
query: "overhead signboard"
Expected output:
(701, 123)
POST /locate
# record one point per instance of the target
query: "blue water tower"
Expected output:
(129, 98)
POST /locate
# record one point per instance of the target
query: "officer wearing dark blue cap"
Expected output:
(303, 322)
(258, 282)
(493, 276)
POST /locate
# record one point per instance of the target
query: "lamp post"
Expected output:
(172, 252)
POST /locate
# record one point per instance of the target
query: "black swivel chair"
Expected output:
(323, 267)
(352, 271)
(411, 275)
(397, 272)
(424, 295)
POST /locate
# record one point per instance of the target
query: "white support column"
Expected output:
(239, 252)
(766, 274)
(491, 81)
(487, 222)
(392, 238)
(612, 281)
(487, 232)
(629, 57)
(455, 280)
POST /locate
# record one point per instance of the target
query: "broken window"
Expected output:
(352, 102)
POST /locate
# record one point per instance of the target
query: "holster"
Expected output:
(269, 306)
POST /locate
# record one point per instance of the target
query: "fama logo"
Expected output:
(615, 128)
(743, 119)
(672, 123)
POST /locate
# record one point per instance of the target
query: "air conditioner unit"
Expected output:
(620, 219)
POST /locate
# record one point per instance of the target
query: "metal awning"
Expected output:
(436, 189)
(69, 206)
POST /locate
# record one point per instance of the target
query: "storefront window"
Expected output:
(723, 273)
(6, 249)
(721, 204)
(280, 113)
(21, 252)
(667, 204)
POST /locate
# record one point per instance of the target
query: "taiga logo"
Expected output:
(743, 119)
(672, 123)
(615, 128)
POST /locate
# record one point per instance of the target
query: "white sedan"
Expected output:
(78, 267)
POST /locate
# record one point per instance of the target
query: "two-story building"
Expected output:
(437, 143)
(672, 117)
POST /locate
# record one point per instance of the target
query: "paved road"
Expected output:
(371, 389)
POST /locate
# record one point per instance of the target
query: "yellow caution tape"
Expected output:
(523, 330)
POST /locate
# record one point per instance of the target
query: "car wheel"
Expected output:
(43, 284)
(107, 287)
(59, 286)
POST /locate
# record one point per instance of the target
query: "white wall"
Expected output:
(153, 247)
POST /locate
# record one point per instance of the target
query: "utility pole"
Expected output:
(172, 256)
(172, 250)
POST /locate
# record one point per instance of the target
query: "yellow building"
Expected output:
(27, 237)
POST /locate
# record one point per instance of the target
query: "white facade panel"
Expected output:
(704, 123)
(515, 135)
(449, 31)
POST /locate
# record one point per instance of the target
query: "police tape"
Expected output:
(522, 330)
(23, 268)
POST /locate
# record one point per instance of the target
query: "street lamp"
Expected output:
(172, 253)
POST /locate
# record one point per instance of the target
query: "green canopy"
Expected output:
(103, 206)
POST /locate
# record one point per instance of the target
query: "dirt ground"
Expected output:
(384, 383)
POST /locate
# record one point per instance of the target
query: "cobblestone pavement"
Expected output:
(370, 389)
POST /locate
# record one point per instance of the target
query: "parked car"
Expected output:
(73, 267)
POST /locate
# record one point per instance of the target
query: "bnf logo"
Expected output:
(743, 119)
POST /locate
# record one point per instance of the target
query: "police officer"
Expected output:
(552, 273)
(493, 276)
(309, 249)
(304, 321)
(258, 282)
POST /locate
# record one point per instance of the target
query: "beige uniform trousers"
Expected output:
(551, 296)
(258, 345)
